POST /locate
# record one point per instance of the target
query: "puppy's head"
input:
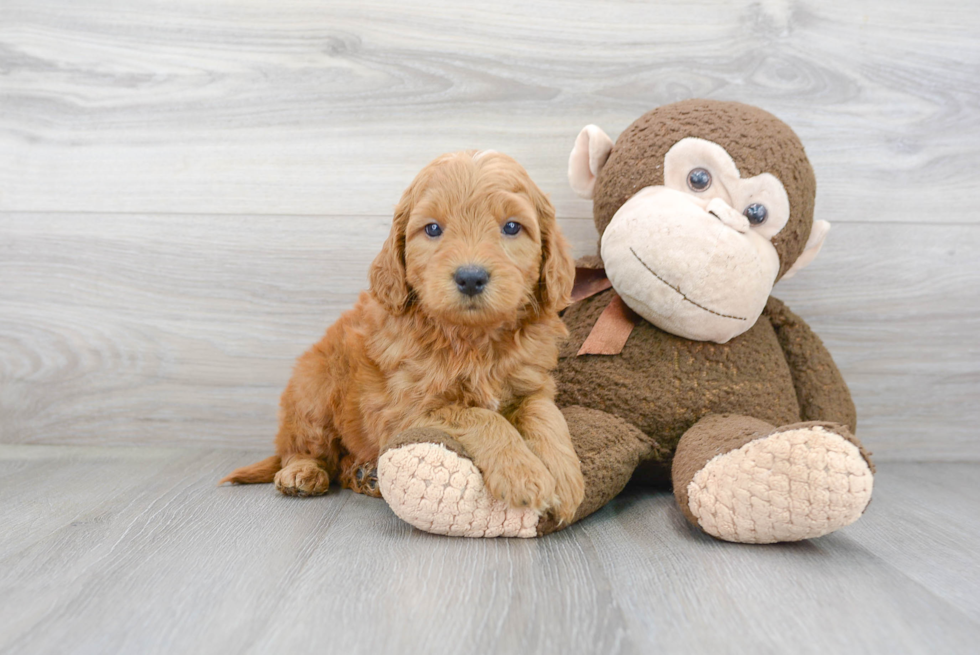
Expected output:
(474, 242)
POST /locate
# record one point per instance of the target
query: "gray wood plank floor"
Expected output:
(126, 550)
(192, 190)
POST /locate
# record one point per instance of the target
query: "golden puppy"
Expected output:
(460, 332)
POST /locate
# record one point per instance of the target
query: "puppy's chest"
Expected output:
(469, 379)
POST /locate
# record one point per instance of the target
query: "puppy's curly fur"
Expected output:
(416, 351)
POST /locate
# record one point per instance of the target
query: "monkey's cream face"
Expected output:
(695, 256)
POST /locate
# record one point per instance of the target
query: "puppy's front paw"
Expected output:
(520, 480)
(302, 477)
(569, 487)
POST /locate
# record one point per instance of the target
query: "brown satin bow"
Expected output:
(614, 325)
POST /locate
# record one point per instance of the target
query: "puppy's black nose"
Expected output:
(471, 280)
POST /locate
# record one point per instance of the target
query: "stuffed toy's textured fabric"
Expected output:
(681, 370)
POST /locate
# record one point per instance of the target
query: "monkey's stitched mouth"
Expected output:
(681, 293)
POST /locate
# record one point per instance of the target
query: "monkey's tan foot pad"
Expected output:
(438, 491)
(791, 485)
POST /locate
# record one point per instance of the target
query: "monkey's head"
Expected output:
(701, 207)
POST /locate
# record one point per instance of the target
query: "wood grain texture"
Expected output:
(844, 596)
(182, 330)
(309, 107)
(135, 550)
(191, 191)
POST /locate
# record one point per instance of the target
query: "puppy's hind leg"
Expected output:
(303, 477)
(309, 450)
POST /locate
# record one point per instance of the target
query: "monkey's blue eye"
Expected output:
(511, 228)
(756, 213)
(433, 230)
(699, 179)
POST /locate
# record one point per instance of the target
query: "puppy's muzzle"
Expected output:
(471, 280)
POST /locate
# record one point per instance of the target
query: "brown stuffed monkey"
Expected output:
(681, 369)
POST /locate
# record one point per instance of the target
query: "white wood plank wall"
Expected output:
(190, 191)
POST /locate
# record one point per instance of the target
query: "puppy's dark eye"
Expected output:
(756, 213)
(699, 179)
(511, 228)
(433, 230)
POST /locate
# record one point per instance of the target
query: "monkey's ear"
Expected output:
(592, 147)
(813, 245)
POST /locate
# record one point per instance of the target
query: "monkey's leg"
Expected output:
(741, 479)
(609, 449)
(429, 481)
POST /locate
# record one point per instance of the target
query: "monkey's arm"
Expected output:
(820, 388)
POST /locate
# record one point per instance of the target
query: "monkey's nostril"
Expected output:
(737, 222)
(471, 280)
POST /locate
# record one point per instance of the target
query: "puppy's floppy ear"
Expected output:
(387, 275)
(557, 265)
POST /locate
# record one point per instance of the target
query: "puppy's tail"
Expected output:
(264, 471)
